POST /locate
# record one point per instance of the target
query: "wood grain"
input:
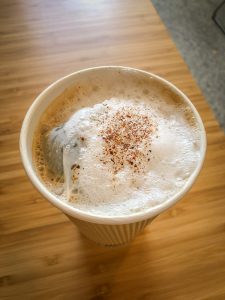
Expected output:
(42, 255)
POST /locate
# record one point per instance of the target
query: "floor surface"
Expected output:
(201, 43)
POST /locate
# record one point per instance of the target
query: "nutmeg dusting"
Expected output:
(127, 136)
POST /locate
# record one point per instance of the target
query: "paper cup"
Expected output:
(104, 230)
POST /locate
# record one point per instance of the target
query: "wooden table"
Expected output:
(42, 255)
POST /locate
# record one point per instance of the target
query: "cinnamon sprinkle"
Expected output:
(127, 136)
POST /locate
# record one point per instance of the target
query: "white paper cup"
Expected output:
(105, 230)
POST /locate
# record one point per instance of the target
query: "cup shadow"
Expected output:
(115, 271)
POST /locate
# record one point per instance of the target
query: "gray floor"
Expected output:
(201, 43)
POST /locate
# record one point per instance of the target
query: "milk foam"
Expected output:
(167, 155)
(97, 187)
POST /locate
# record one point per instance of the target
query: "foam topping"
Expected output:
(124, 156)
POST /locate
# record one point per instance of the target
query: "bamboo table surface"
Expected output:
(181, 255)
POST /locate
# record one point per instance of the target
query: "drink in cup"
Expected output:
(112, 147)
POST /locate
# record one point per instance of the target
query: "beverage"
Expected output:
(117, 144)
(112, 147)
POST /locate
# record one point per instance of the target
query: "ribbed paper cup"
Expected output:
(110, 235)
(105, 230)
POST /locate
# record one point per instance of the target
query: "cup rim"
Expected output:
(87, 216)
